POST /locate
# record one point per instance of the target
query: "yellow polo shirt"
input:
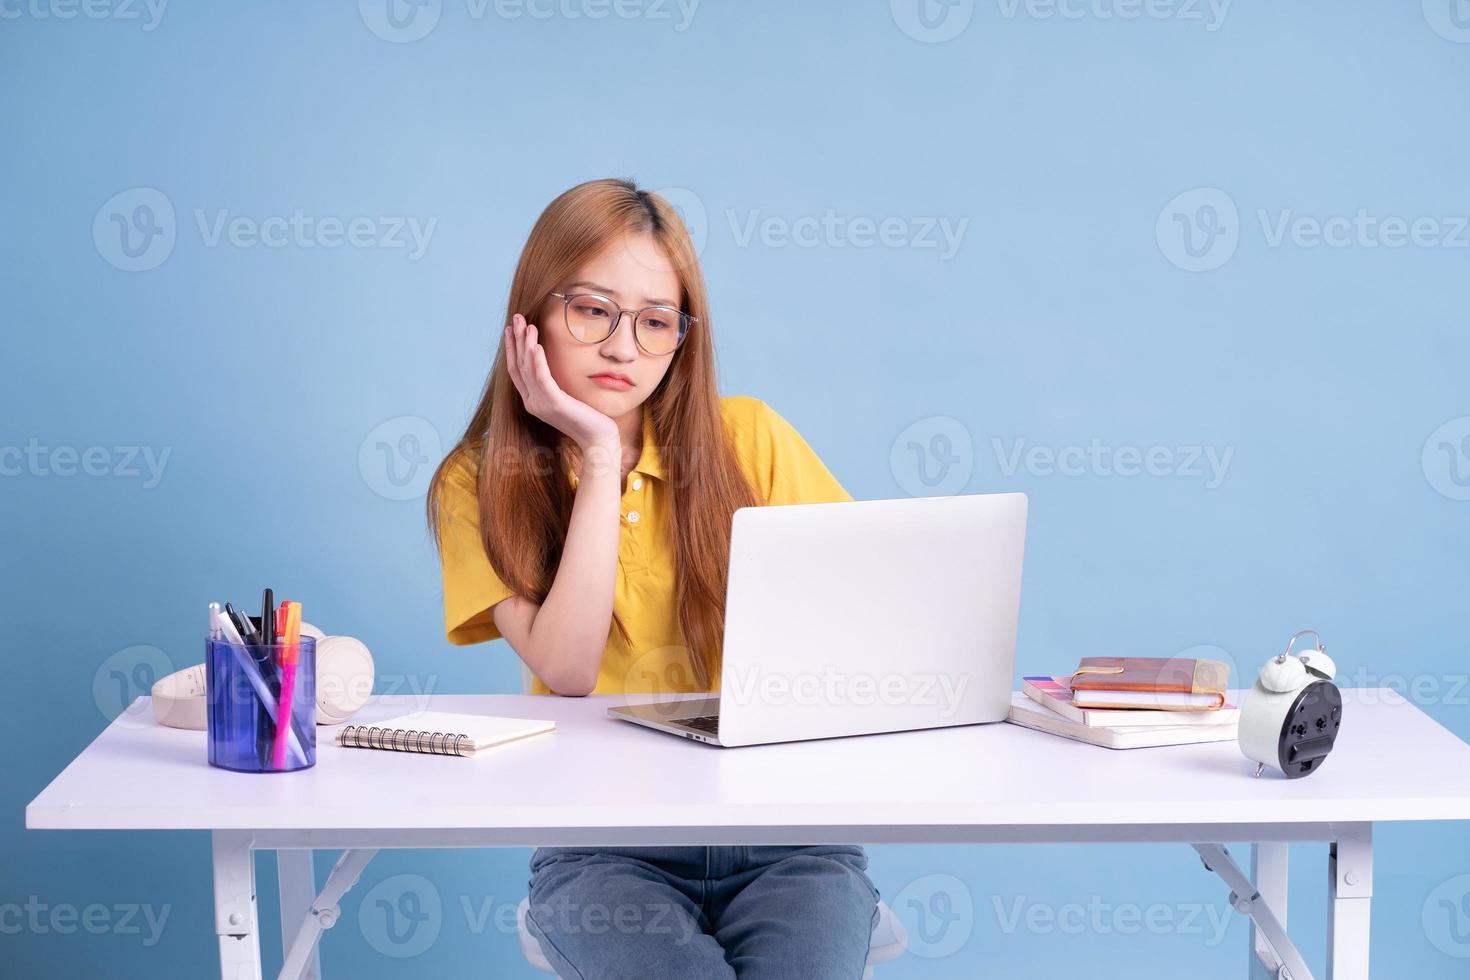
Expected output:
(781, 467)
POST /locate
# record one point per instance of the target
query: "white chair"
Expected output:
(888, 941)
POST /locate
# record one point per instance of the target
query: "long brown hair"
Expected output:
(525, 509)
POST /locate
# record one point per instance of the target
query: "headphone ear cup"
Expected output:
(344, 678)
(1277, 675)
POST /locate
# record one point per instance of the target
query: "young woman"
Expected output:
(584, 516)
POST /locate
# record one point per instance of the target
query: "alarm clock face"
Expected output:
(1310, 729)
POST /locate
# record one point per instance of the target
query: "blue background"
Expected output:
(1068, 314)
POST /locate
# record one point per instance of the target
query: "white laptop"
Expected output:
(860, 617)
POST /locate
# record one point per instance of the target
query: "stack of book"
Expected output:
(1131, 702)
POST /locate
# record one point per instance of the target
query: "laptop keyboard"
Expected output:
(704, 723)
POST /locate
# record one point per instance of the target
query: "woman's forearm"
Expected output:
(569, 633)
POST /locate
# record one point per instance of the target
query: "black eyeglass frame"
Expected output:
(686, 320)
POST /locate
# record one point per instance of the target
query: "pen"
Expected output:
(268, 618)
(214, 621)
(231, 635)
(290, 650)
(247, 627)
(242, 622)
(265, 666)
(251, 638)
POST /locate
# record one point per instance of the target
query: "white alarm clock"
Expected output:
(1293, 711)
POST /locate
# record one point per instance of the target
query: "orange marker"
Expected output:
(290, 626)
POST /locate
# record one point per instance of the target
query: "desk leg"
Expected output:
(235, 920)
(1349, 900)
(1267, 932)
(1269, 869)
(322, 912)
(298, 892)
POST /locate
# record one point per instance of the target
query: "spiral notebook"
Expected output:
(441, 733)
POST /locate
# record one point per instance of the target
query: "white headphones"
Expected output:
(344, 681)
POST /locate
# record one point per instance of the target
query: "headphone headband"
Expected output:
(344, 680)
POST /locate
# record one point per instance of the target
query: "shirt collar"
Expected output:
(650, 461)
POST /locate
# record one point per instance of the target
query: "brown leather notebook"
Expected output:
(1170, 683)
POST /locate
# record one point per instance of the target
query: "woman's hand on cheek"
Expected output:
(525, 359)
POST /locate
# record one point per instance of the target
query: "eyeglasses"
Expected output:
(591, 319)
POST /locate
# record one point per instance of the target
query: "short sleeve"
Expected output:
(794, 473)
(471, 586)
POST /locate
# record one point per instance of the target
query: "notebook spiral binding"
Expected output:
(405, 740)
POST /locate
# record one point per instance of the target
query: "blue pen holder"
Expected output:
(244, 689)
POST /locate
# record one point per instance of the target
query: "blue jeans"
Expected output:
(703, 913)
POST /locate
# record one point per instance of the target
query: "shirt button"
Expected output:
(632, 517)
(638, 483)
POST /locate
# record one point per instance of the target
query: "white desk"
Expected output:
(974, 784)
